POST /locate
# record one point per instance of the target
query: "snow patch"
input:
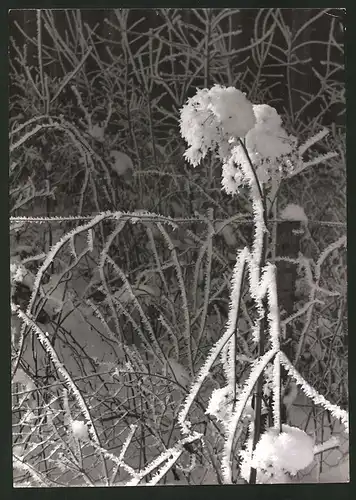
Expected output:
(80, 430)
(294, 212)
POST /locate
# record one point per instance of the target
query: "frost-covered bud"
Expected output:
(195, 121)
(270, 144)
(221, 404)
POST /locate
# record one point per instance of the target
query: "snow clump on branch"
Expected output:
(279, 454)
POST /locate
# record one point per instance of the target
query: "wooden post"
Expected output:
(288, 245)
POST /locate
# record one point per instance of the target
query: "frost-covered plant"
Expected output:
(256, 153)
(82, 106)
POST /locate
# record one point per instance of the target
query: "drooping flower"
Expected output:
(17, 272)
(267, 116)
(272, 152)
(218, 119)
(268, 138)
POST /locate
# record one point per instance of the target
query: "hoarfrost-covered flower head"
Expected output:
(267, 116)
(214, 119)
(233, 110)
(223, 120)
(271, 150)
(268, 138)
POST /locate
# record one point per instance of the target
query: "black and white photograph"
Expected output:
(178, 246)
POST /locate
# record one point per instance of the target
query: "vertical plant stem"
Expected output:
(258, 399)
(39, 52)
(235, 334)
(207, 51)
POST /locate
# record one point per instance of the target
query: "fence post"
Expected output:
(288, 245)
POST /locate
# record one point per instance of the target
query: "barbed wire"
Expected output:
(157, 218)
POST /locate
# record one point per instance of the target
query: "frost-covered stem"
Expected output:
(123, 451)
(245, 393)
(220, 344)
(204, 312)
(331, 443)
(207, 47)
(71, 75)
(258, 401)
(261, 197)
(277, 393)
(37, 476)
(187, 333)
(233, 344)
(228, 353)
(312, 140)
(157, 351)
(314, 284)
(313, 394)
(273, 210)
(257, 263)
(170, 456)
